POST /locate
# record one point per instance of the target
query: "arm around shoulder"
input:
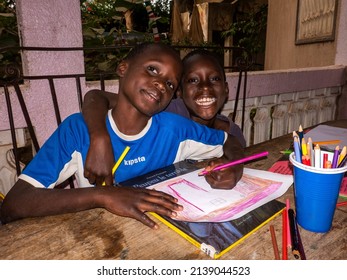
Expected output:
(100, 159)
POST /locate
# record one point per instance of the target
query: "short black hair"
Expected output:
(204, 52)
(141, 48)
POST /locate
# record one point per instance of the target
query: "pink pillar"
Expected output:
(50, 23)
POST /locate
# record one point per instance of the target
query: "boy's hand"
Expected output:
(134, 203)
(99, 161)
(225, 178)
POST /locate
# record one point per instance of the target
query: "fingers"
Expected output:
(143, 218)
(160, 202)
(90, 176)
(98, 180)
(155, 208)
(109, 180)
(135, 203)
(221, 180)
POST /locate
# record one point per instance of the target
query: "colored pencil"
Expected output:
(119, 161)
(301, 133)
(289, 238)
(303, 147)
(342, 154)
(325, 160)
(343, 203)
(294, 233)
(284, 235)
(317, 162)
(310, 151)
(274, 242)
(232, 163)
(335, 157)
(327, 142)
(301, 247)
(343, 162)
(286, 152)
(297, 150)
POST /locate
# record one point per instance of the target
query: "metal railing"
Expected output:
(12, 76)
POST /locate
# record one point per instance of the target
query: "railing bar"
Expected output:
(13, 130)
(244, 100)
(55, 101)
(79, 92)
(102, 82)
(27, 117)
(237, 96)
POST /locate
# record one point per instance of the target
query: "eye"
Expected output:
(170, 85)
(192, 80)
(216, 79)
(152, 69)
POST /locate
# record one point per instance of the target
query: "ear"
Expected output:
(121, 68)
(226, 92)
(179, 92)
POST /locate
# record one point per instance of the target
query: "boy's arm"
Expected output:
(24, 200)
(100, 158)
(226, 178)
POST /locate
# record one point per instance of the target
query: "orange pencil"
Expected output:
(327, 142)
(274, 243)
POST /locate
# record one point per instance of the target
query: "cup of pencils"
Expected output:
(316, 190)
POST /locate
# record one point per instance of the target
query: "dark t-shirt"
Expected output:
(177, 106)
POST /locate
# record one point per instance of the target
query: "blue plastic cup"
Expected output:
(316, 191)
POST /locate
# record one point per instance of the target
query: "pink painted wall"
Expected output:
(263, 83)
(57, 23)
(52, 23)
(341, 54)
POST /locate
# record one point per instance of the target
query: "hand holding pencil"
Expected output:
(232, 163)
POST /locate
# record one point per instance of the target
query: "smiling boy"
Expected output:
(149, 76)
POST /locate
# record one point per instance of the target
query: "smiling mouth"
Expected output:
(153, 96)
(205, 101)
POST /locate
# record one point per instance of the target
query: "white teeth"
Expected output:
(205, 101)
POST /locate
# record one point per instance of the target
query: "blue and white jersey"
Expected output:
(166, 139)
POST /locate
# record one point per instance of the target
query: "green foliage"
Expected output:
(8, 32)
(249, 29)
(103, 24)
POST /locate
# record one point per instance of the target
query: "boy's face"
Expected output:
(149, 80)
(204, 89)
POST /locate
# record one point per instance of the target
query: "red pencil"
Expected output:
(343, 203)
(284, 235)
(325, 160)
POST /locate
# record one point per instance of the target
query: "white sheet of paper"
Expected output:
(203, 204)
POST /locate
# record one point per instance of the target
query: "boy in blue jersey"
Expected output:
(202, 94)
(149, 76)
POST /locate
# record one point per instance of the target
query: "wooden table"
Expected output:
(97, 234)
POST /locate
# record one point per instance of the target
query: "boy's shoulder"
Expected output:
(177, 123)
(73, 122)
(75, 117)
(172, 118)
(177, 106)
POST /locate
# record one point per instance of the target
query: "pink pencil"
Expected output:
(243, 160)
(289, 238)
